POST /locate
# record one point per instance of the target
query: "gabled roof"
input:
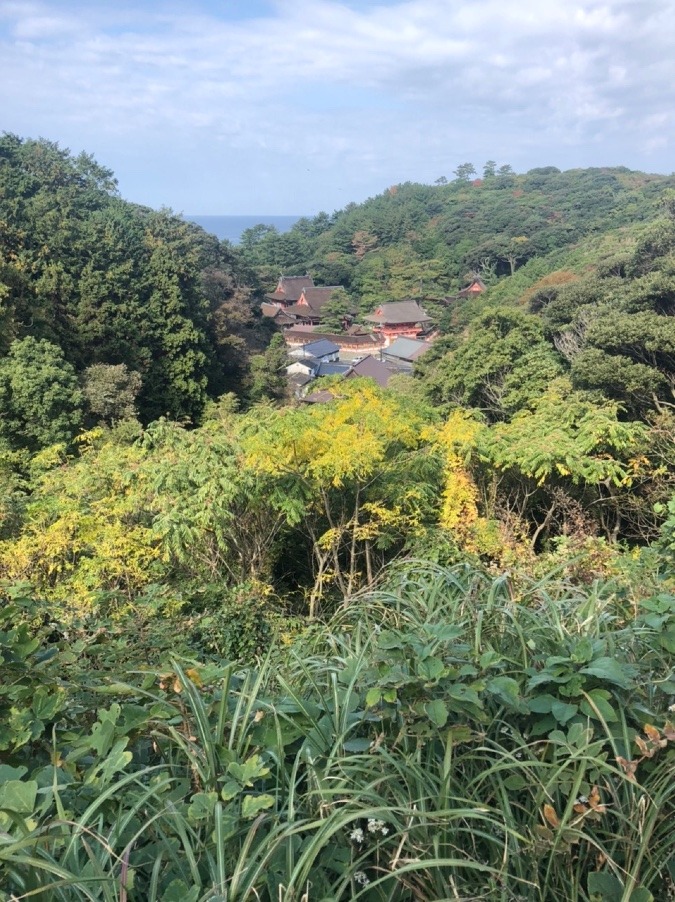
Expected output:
(308, 362)
(289, 288)
(304, 310)
(475, 287)
(316, 297)
(371, 368)
(399, 312)
(319, 397)
(406, 348)
(321, 348)
(278, 314)
(357, 329)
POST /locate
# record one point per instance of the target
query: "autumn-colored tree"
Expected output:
(354, 473)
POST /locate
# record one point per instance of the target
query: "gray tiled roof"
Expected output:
(399, 312)
(406, 348)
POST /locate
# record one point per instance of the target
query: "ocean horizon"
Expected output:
(231, 228)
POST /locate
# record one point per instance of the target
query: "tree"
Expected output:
(354, 474)
(464, 172)
(503, 365)
(489, 169)
(111, 391)
(566, 440)
(336, 312)
(268, 372)
(516, 250)
(40, 400)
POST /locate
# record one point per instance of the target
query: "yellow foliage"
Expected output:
(459, 511)
(85, 531)
(335, 443)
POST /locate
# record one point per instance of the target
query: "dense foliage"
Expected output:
(450, 734)
(95, 280)
(420, 240)
(407, 644)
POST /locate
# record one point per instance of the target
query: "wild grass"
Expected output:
(445, 737)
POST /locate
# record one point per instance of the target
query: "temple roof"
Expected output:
(398, 312)
(289, 288)
(321, 348)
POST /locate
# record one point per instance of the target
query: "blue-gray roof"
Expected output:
(321, 348)
(332, 369)
(406, 348)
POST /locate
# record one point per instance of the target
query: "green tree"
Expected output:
(110, 392)
(268, 372)
(355, 474)
(502, 366)
(464, 172)
(336, 312)
(566, 445)
(40, 400)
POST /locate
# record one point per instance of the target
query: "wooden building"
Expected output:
(398, 319)
(312, 300)
(288, 290)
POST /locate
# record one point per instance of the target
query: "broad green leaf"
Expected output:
(252, 769)
(253, 805)
(515, 782)
(202, 805)
(430, 669)
(563, 712)
(506, 689)
(606, 886)
(178, 891)
(541, 704)
(390, 640)
(357, 745)
(116, 761)
(230, 790)
(437, 712)
(600, 699)
(18, 796)
(611, 670)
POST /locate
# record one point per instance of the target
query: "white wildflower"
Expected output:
(376, 826)
(356, 835)
(360, 877)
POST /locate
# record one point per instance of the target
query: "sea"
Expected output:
(232, 227)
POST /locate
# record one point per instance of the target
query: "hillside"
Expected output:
(421, 241)
(106, 283)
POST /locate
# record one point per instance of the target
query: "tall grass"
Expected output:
(445, 737)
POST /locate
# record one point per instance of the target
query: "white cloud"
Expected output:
(414, 85)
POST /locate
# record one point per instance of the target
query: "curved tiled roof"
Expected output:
(399, 312)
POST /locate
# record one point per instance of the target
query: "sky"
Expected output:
(295, 106)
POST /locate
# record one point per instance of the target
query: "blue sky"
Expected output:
(296, 106)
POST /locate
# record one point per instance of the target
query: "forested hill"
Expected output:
(128, 299)
(119, 308)
(421, 240)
